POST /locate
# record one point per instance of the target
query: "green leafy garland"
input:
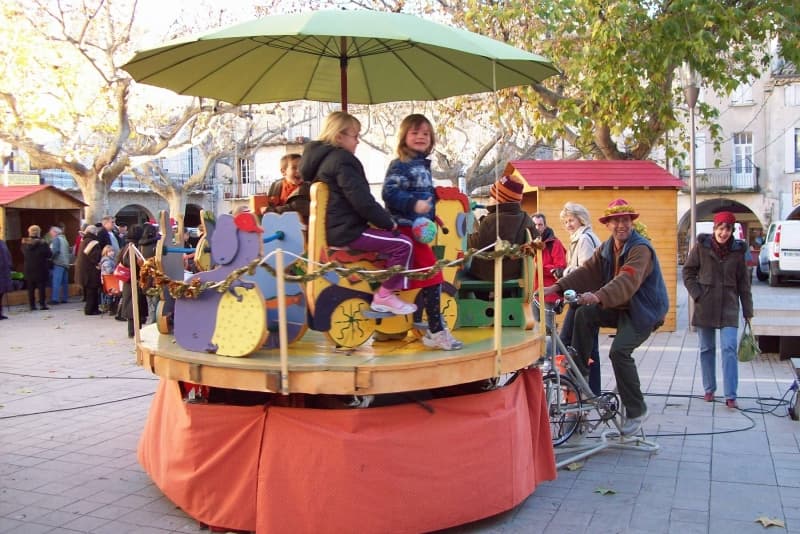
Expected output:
(151, 278)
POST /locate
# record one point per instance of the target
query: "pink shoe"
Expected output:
(390, 303)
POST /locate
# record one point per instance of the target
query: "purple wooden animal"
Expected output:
(231, 323)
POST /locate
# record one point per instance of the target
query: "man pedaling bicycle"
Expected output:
(620, 286)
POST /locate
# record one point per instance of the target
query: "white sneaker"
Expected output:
(632, 425)
(441, 340)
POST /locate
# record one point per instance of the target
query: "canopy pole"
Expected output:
(343, 71)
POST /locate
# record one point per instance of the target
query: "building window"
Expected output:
(791, 95)
(797, 149)
(246, 170)
(742, 159)
(743, 95)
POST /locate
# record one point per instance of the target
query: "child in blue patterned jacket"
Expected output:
(408, 193)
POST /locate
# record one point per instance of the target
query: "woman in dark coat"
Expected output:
(717, 278)
(87, 264)
(36, 253)
(126, 303)
(5, 274)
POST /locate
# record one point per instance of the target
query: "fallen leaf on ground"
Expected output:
(770, 522)
(24, 391)
(574, 466)
(605, 491)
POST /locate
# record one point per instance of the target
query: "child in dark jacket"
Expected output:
(408, 193)
(352, 208)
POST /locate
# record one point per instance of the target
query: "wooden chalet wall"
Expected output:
(647, 187)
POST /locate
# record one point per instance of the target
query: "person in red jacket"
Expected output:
(554, 255)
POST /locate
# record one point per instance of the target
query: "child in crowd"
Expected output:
(408, 193)
(106, 266)
(291, 193)
(352, 208)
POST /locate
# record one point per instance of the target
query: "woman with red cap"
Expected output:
(717, 278)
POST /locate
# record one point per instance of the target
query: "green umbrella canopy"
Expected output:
(362, 57)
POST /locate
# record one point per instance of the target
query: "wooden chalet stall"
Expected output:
(594, 184)
(44, 205)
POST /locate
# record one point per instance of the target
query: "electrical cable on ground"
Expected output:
(80, 377)
(81, 407)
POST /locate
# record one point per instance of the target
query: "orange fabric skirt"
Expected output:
(388, 469)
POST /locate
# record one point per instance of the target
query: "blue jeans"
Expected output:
(728, 337)
(60, 284)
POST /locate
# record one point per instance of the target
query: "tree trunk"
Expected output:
(95, 193)
(176, 199)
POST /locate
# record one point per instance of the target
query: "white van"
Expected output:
(780, 254)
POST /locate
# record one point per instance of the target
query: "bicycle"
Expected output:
(572, 405)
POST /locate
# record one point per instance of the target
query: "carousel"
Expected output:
(287, 405)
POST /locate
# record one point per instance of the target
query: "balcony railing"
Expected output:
(240, 190)
(125, 182)
(723, 180)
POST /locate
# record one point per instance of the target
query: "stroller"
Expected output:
(111, 293)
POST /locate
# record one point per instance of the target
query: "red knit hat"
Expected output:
(724, 217)
(506, 189)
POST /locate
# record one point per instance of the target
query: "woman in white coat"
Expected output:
(582, 243)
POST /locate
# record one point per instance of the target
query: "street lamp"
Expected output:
(690, 80)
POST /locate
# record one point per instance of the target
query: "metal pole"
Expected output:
(692, 202)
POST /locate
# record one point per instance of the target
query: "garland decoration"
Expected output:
(151, 278)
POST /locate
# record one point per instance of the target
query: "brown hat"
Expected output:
(506, 189)
(618, 208)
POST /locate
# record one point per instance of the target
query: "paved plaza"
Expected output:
(73, 403)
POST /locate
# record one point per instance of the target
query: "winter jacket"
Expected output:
(351, 206)
(5, 268)
(407, 182)
(88, 260)
(554, 260)
(582, 244)
(35, 252)
(299, 200)
(61, 251)
(108, 238)
(637, 287)
(512, 222)
(716, 285)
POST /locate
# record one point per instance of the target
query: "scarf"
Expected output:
(721, 249)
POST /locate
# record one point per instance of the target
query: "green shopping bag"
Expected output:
(748, 345)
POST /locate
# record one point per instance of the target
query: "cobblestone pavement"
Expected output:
(73, 403)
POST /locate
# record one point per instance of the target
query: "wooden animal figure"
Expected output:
(202, 255)
(282, 231)
(231, 323)
(171, 264)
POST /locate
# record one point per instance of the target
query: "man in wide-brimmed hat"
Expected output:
(622, 287)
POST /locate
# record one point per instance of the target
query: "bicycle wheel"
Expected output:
(563, 406)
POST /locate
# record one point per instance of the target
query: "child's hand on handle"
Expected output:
(423, 206)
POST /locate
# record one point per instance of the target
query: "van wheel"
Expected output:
(774, 278)
(761, 275)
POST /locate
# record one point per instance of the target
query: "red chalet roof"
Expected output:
(556, 174)
(13, 193)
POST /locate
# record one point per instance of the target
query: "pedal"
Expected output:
(372, 314)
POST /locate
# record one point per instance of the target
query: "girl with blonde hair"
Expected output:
(352, 208)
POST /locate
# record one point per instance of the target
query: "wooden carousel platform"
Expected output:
(316, 367)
